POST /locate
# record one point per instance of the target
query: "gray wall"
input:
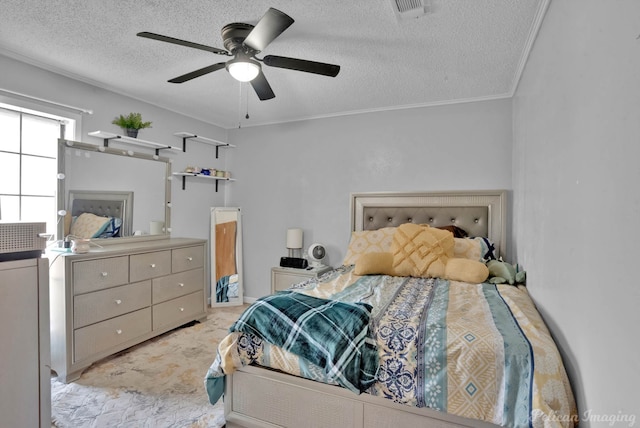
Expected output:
(576, 175)
(301, 174)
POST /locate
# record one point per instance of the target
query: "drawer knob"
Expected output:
(181, 284)
(104, 274)
(181, 309)
(190, 259)
(119, 331)
(118, 301)
(153, 265)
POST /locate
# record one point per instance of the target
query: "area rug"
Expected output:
(159, 383)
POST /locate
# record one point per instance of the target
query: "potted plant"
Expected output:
(131, 123)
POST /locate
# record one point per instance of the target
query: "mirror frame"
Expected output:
(238, 248)
(62, 197)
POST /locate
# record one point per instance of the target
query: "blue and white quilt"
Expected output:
(479, 351)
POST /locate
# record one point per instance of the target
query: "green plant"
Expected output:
(131, 121)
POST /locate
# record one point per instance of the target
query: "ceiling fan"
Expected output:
(243, 42)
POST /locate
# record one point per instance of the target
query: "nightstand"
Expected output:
(283, 277)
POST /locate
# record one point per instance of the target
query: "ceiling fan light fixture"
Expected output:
(243, 69)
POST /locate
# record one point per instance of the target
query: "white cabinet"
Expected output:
(283, 277)
(120, 295)
(25, 375)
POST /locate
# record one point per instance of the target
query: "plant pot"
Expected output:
(133, 133)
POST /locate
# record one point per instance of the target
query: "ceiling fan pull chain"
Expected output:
(247, 98)
(239, 104)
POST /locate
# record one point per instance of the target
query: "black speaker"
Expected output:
(293, 262)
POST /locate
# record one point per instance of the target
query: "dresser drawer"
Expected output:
(93, 275)
(150, 265)
(177, 285)
(101, 305)
(187, 258)
(105, 335)
(172, 311)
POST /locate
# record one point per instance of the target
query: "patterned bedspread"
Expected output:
(479, 351)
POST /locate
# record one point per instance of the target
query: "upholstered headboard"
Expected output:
(105, 204)
(479, 213)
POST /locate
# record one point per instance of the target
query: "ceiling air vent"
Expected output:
(409, 9)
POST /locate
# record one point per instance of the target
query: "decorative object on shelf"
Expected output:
(294, 240)
(131, 124)
(211, 176)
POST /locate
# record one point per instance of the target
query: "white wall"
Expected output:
(577, 203)
(190, 212)
(301, 174)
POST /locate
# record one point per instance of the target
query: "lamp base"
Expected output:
(295, 252)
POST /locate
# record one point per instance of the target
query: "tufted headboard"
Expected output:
(105, 204)
(479, 213)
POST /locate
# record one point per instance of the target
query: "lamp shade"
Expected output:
(243, 69)
(294, 238)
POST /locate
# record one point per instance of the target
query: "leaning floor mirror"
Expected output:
(226, 256)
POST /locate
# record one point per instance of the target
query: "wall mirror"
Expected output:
(110, 181)
(226, 256)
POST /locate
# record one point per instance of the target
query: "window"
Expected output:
(28, 159)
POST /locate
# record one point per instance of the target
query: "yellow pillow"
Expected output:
(88, 225)
(466, 270)
(374, 264)
(368, 241)
(421, 251)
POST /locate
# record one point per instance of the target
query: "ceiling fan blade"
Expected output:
(302, 65)
(175, 41)
(262, 87)
(270, 26)
(198, 73)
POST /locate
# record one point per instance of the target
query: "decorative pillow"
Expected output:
(368, 241)
(466, 270)
(68, 220)
(421, 251)
(89, 225)
(479, 249)
(113, 228)
(375, 264)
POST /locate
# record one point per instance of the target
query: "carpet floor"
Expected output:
(159, 383)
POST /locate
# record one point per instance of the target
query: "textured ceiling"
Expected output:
(460, 50)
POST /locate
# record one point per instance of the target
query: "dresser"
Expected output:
(25, 375)
(120, 295)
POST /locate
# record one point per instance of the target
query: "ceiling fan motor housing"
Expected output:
(234, 34)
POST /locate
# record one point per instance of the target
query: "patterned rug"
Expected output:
(159, 383)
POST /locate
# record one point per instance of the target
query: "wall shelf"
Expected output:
(184, 176)
(190, 136)
(109, 136)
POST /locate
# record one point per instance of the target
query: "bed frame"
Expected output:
(261, 397)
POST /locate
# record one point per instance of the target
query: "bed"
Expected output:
(446, 352)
